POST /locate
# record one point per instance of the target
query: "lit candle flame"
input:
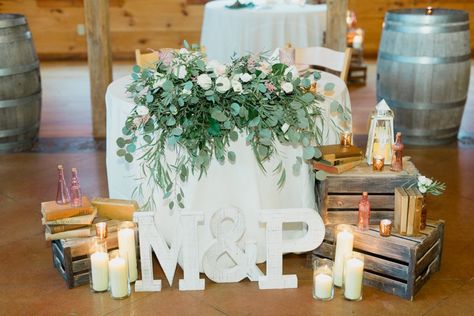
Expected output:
(429, 11)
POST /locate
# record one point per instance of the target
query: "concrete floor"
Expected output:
(30, 285)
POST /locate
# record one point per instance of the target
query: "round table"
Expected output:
(240, 185)
(227, 31)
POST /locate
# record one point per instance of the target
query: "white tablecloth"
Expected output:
(241, 185)
(260, 29)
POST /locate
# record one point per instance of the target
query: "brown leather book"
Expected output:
(335, 169)
(54, 229)
(331, 152)
(52, 211)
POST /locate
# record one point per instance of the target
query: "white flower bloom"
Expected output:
(218, 68)
(180, 71)
(422, 189)
(425, 181)
(183, 51)
(204, 81)
(237, 86)
(246, 77)
(293, 70)
(142, 110)
(222, 84)
(287, 87)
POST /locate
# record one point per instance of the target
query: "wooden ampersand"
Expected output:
(226, 244)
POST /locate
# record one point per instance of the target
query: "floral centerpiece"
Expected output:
(196, 108)
(428, 186)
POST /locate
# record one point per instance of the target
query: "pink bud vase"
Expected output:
(364, 212)
(62, 193)
(76, 195)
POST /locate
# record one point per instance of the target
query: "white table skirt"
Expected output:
(259, 29)
(242, 184)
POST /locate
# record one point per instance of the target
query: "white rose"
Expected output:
(237, 86)
(183, 51)
(246, 77)
(287, 87)
(204, 81)
(422, 189)
(425, 181)
(180, 71)
(142, 110)
(293, 70)
(222, 84)
(218, 68)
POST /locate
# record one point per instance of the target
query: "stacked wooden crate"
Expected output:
(398, 265)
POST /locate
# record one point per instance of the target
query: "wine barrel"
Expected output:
(20, 85)
(423, 70)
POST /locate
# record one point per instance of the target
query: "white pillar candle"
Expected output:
(353, 275)
(126, 242)
(118, 274)
(323, 286)
(100, 271)
(344, 244)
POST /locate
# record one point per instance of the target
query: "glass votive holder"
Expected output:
(385, 228)
(323, 286)
(353, 276)
(346, 139)
(101, 230)
(377, 162)
(127, 247)
(99, 259)
(344, 244)
(118, 276)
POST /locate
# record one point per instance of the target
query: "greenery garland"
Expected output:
(196, 108)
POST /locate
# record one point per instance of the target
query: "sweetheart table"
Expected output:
(261, 28)
(241, 185)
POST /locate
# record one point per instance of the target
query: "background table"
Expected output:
(242, 184)
(259, 29)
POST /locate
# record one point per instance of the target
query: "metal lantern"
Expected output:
(380, 138)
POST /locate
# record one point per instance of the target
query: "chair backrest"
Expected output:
(325, 57)
(146, 60)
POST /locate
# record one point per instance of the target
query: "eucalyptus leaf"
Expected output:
(171, 121)
(120, 142)
(177, 131)
(254, 122)
(231, 155)
(128, 157)
(235, 109)
(121, 152)
(136, 68)
(234, 136)
(308, 97)
(131, 148)
(320, 175)
(308, 152)
(329, 86)
(168, 85)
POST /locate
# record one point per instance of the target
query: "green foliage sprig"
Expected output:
(195, 108)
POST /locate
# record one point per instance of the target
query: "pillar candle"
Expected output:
(344, 243)
(126, 242)
(353, 275)
(323, 284)
(118, 274)
(100, 271)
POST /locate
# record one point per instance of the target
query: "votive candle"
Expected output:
(323, 286)
(346, 138)
(377, 162)
(385, 227)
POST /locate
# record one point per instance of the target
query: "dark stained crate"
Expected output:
(71, 260)
(338, 196)
(398, 265)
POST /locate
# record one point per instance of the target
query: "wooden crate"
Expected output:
(71, 261)
(398, 265)
(338, 196)
(357, 74)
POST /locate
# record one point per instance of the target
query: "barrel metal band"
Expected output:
(15, 38)
(425, 29)
(426, 19)
(425, 106)
(20, 20)
(424, 60)
(18, 131)
(427, 132)
(18, 69)
(20, 101)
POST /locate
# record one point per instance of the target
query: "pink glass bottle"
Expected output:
(76, 195)
(397, 155)
(364, 212)
(62, 193)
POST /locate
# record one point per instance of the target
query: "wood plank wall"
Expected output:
(166, 23)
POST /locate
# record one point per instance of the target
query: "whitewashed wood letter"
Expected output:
(184, 239)
(226, 244)
(276, 246)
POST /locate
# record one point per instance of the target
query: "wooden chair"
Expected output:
(146, 60)
(325, 58)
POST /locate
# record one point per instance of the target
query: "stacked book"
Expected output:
(338, 158)
(65, 221)
(407, 213)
